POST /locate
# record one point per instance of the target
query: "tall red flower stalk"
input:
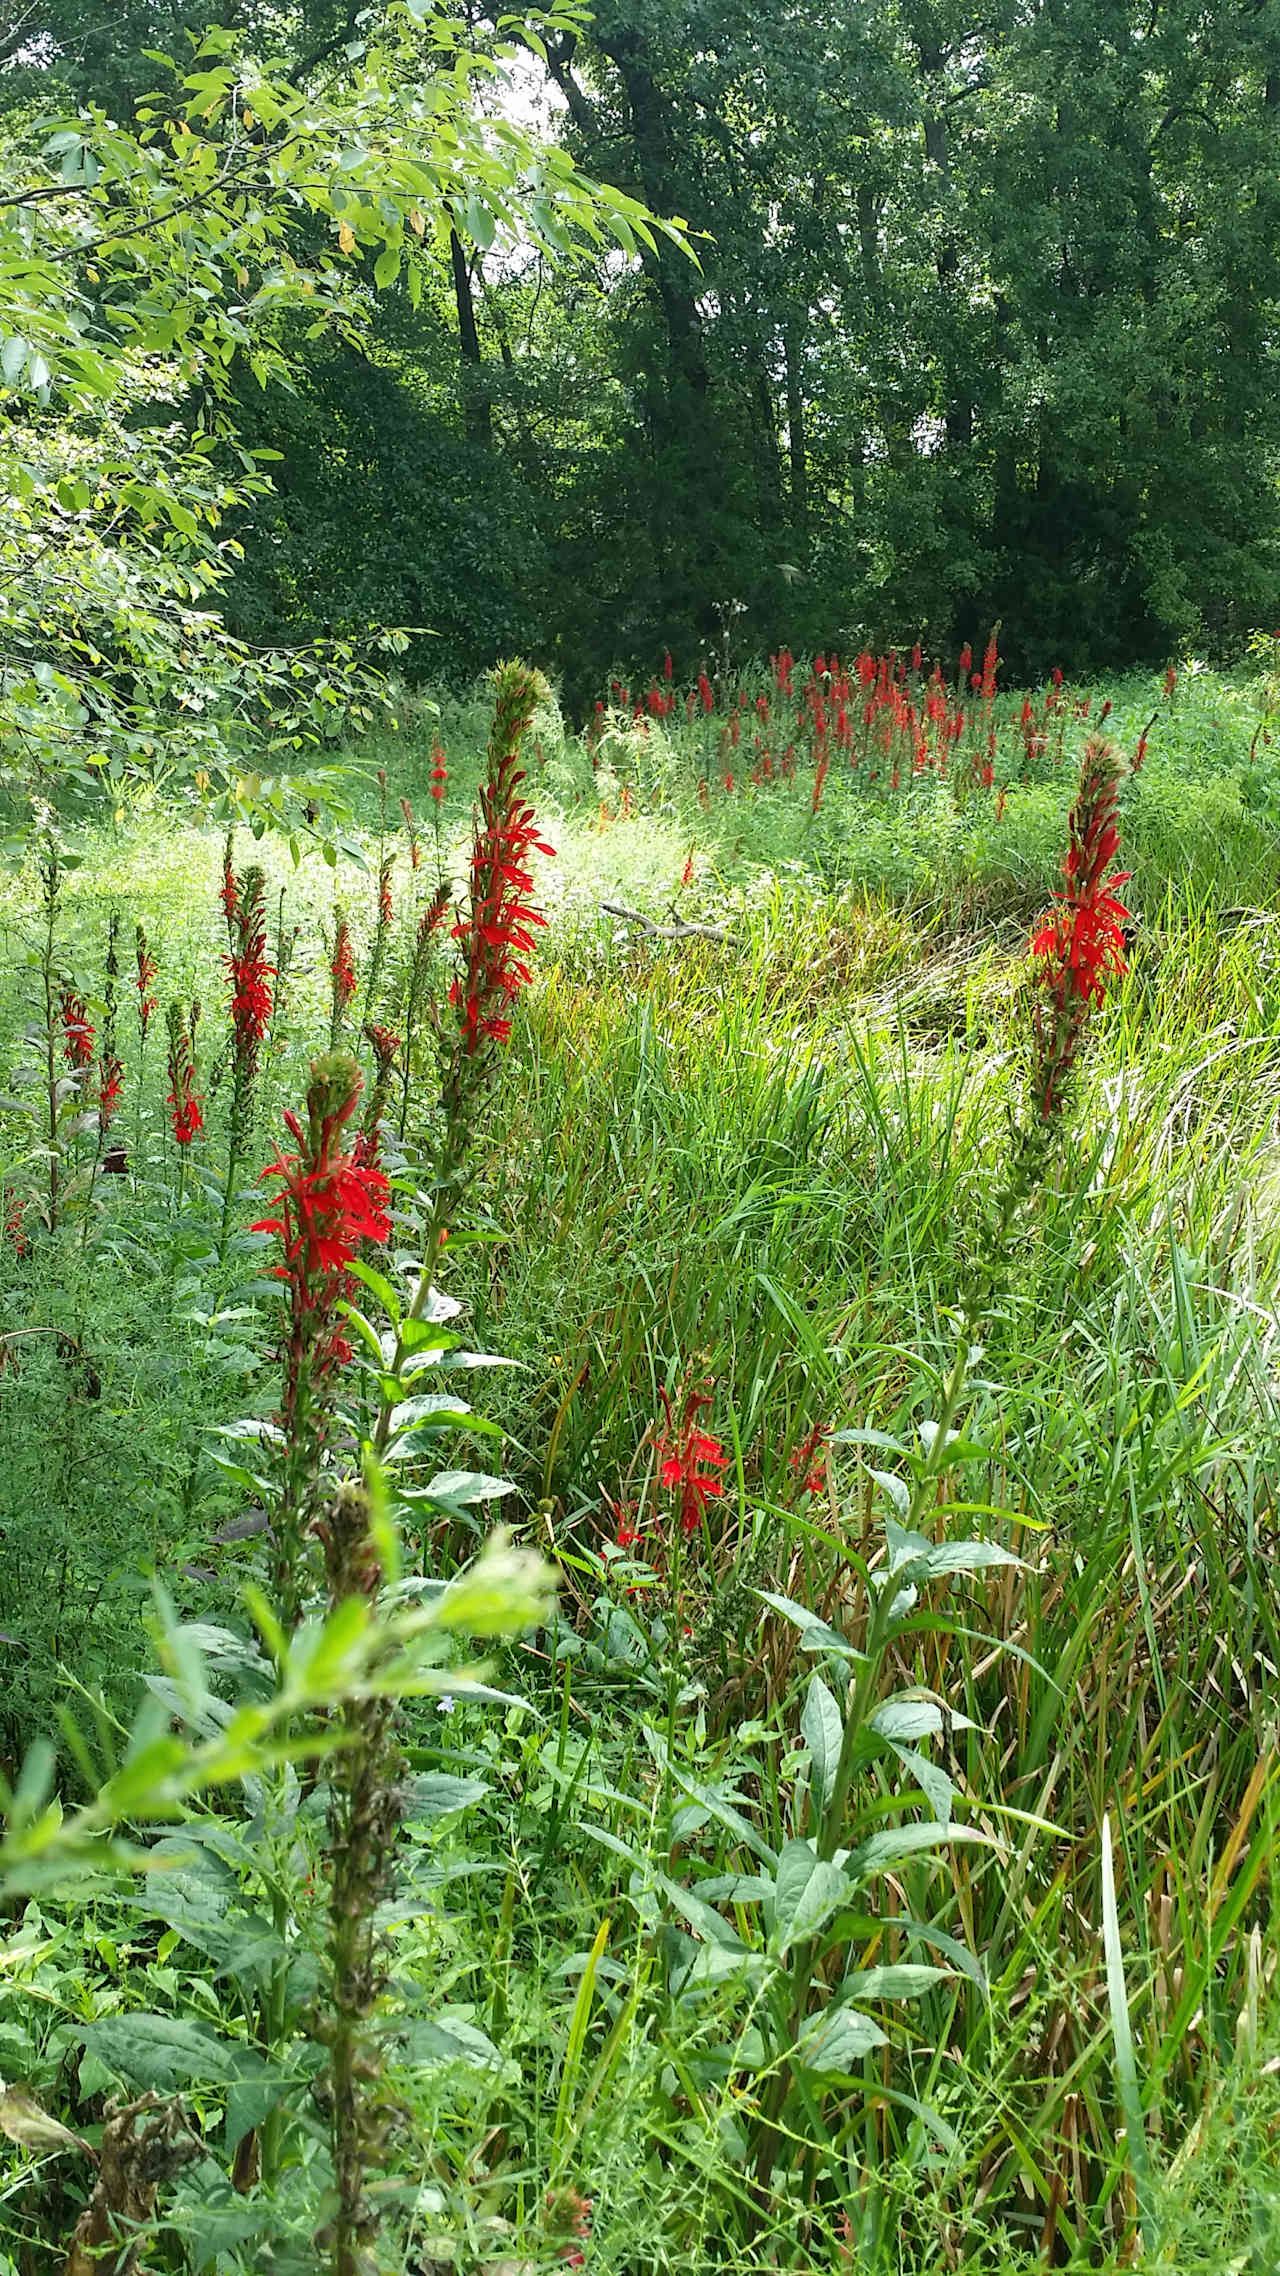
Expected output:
(147, 970)
(228, 891)
(689, 1458)
(77, 1029)
(386, 1050)
(324, 1204)
(1079, 950)
(186, 1108)
(110, 1068)
(342, 971)
(249, 978)
(495, 928)
(495, 932)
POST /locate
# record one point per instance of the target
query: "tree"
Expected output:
(247, 208)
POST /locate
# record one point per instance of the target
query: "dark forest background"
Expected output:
(984, 330)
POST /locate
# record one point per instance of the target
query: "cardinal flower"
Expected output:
(324, 1203)
(343, 974)
(249, 973)
(689, 1459)
(77, 1029)
(186, 1110)
(1079, 949)
(496, 928)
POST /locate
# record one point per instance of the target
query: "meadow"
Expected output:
(866, 1861)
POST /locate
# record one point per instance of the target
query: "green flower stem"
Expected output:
(862, 1694)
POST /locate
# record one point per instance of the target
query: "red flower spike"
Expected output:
(186, 1110)
(110, 1091)
(497, 929)
(77, 1029)
(439, 777)
(342, 968)
(326, 1204)
(1079, 949)
(249, 974)
(689, 1458)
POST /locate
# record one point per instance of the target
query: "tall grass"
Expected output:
(765, 1161)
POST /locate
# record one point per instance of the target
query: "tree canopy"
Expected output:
(980, 327)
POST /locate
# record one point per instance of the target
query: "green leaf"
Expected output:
(807, 1890)
(378, 1286)
(837, 2042)
(479, 222)
(815, 1635)
(437, 1794)
(916, 1719)
(908, 1979)
(823, 1730)
(892, 1848)
(160, 2053)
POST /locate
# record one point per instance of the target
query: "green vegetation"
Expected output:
(757, 1165)
(639, 1292)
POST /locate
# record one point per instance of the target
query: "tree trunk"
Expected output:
(797, 435)
(473, 394)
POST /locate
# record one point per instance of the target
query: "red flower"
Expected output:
(343, 967)
(808, 1459)
(439, 772)
(496, 929)
(14, 1221)
(704, 691)
(249, 973)
(989, 663)
(385, 1045)
(1080, 947)
(109, 1092)
(326, 1204)
(667, 666)
(78, 1032)
(228, 893)
(966, 661)
(185, 1108)
(1170, 682)
(689, 1459)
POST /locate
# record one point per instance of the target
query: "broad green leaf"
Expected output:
(893, 1848)
(823, 1730)
(815, 1635)
(807, 1890)
(837, 2042)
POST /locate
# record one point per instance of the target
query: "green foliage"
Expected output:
(143, 266)
(764, 1158)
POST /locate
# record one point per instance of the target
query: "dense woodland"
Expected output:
(981, 330)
